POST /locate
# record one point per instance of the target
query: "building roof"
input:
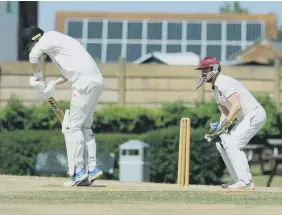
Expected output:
(176, 59)
(262, 51)
(134, 144)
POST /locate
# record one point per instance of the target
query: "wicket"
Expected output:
(184, 153)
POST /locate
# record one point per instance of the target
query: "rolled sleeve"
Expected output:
(35, 55)
(229, 93)
(42, 46)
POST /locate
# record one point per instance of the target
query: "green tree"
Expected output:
(235, 7)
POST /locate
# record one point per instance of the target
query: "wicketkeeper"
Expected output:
(241, 118)
(77, 66)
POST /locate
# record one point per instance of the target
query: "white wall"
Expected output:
(9, 31)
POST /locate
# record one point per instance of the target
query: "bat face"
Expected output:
(55, 107)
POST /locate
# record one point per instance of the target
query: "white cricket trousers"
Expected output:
(238, 138)
(83, 106)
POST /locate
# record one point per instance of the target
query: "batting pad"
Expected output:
(89, 138)
(227, 161)
(75, 145)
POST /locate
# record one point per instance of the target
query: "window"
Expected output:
(173, 48)
(95, 50)
(194, 48)
(214, 51)
(133, 152)
(113, 52)
(114, 30)
(230, 50)
(154, 31)
(234, 32)
(153, 48)
(95, 30)
(194, 31)
(134, 30)
(213, 31)
(133, 52)
(174, 31)
(253, 31)
(75, 29)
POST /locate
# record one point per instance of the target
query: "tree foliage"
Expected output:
(232, 7)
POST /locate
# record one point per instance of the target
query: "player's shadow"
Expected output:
(93, 185)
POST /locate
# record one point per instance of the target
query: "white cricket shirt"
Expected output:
(225, 86)
(71, 58)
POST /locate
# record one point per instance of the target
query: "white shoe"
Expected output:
(238, 185)
(251, 186)
(76, 179)
(227, 184)
(92, 176)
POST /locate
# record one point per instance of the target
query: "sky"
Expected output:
(47, 9)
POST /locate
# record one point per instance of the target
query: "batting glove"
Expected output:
(48, 90)
(37, 82)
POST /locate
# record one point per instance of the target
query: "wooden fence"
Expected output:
(142, 85)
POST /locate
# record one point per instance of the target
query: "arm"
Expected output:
(34, 56)
(49, 89)
(61, 80)
(224, 112)
(236, 106)
(35, 67)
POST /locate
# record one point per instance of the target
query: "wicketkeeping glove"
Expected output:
(223, 127)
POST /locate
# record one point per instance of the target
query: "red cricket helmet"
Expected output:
(208, 62)
(214, 67)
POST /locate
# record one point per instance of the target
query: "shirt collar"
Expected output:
(217, 80)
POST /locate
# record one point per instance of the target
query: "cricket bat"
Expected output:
(55, 107)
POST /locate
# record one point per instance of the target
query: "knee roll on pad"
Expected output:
(66, 124)
(88, 134)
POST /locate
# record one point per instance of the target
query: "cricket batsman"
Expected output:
(78, 67)
(242, 116)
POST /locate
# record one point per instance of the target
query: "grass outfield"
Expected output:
(136, 197)
(22, 195)
(43, 190)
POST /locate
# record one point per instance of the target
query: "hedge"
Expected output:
(19, 149)
(25, 131)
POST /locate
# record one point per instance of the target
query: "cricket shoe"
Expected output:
(251, 186)
(242, 185)
(92, 176)
(227, 184)
(76, 179)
